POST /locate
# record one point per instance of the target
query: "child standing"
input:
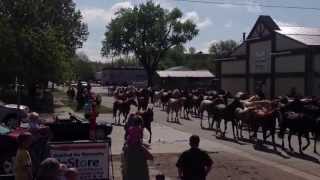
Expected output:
(23, 159)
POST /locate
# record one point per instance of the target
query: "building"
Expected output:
(181, 77)
(124, 76)
(274, 59)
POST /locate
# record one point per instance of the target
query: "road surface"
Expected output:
(234, 160)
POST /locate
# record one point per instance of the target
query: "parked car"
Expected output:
(10, 114)
(74, 128)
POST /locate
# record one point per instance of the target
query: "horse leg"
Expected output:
(264, 134)
(240, 127)
(273, 139)
(150, 133)
(282, 144)
(125, 117)
(300, 143)
(308, 142)
(217, 125)
(235, 136)
(289, 141)
(225, 128)
(315, 142)
(209, 125)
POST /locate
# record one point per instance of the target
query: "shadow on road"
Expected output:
(303, 156)
(230, 140)
(263, 148)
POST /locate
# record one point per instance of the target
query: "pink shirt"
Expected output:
(134, 136)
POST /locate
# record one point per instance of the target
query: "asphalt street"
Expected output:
(304, 166)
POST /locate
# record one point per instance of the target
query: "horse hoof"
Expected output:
(301, 152)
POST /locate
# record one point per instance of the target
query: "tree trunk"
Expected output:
(150, 74)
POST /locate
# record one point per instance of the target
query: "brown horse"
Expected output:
(165, 96)
(122, 107)
(174, 106)
(206, 105)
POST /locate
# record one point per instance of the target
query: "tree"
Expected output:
(38, 40)
(83, 68)
(173, 57)
(223, 49)
(192, 50)
(148, 31)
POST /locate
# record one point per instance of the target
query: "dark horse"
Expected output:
(228, 115)
(122, 107)
(266, 119)
(147, 118)
(143, 100)
(299, 119)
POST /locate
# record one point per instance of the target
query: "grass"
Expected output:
(73, 104)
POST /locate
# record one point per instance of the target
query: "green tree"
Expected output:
(148, 31)
(83, 68)
(174, 57)
(38, 40)
(222, 49)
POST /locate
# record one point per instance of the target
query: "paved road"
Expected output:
(303, 166)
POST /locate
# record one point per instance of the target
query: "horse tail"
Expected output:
(115, 109)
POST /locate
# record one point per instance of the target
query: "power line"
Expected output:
(250, 4)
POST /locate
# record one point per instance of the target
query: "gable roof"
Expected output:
(267, 21)
(305, 35)
(196, 74)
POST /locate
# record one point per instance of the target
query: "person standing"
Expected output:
(93, 121)
(23, 159)
(194, 164)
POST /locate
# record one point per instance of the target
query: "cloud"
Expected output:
(99, 15)
(229, 24)
(251, 6)
(163, 3)
(194, 17)
(282, 23)
(254, 8)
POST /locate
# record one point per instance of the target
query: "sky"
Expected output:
(215, 21)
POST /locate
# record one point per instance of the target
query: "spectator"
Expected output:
(72, 174)
(135, 133)
(194, 164)
(34, 121)
(50, 169)
(23, 159)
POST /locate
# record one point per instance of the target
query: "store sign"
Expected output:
(91, 159)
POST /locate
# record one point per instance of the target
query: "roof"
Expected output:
(178, 68)
(195, 74)
(305, 35)
(267, 21)
(123, 68)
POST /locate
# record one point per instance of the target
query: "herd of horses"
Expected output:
(279, 116)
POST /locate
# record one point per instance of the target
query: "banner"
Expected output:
(90, 158)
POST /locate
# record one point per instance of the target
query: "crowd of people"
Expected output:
(88, 102)
(49, 169)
